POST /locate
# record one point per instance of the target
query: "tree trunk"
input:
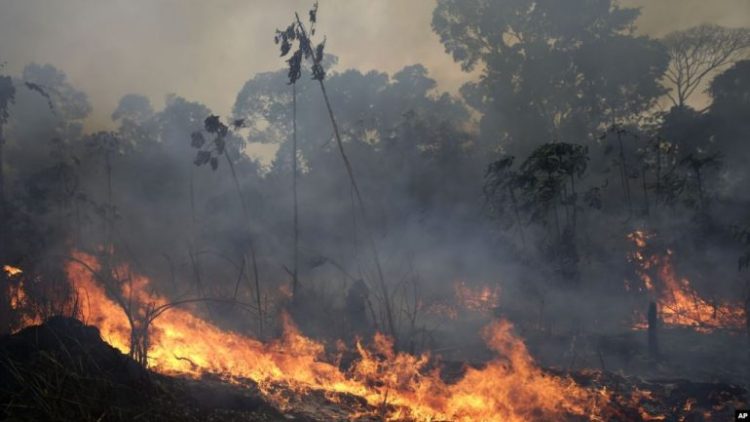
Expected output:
(645, 191)
(699, 178)
(5, 311)
(653, 321)
(109, 214)
(257, 293)
(574, 194)
(557, 216)
(363, 210)
(565, 205)
(246, 214)
(295, 267)
(360, 201)
(518, 215)
(658, 172)
(624, 175)
(747, 330)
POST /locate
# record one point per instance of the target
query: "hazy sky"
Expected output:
(205, 50)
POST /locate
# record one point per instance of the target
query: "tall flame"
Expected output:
(510, 388)
(678, 302)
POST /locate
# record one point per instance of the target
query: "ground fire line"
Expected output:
(510, 387)
(290, 371)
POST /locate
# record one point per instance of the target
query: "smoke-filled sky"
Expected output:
(205, 51)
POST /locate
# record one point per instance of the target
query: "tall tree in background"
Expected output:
(543, 75)
(7, 94)
(729, 126)
(544, 188)
(697, 53)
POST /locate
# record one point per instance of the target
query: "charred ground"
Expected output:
(62, 370)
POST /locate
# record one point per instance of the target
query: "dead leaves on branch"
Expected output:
(296, 37)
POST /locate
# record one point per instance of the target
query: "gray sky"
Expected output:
(206, 50)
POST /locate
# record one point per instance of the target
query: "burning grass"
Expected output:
(510, 387)
(678, 302)
(239, 377)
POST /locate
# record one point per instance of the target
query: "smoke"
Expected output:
(417, 151)
(205, 52)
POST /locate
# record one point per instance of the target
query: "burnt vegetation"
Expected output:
(589, 186)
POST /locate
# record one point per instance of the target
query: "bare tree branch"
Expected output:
(698, 52)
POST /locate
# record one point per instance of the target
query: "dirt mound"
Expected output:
(62, 370)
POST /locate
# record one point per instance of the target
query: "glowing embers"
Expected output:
(25, 314)
(510, 387)
(482, 299)
(16, 292)
(467, 298)
(679, 304)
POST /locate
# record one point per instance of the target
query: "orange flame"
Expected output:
(19, 299)
(509, 388)
(12, 271)
(678, 302)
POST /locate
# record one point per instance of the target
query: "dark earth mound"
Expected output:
(62, 370)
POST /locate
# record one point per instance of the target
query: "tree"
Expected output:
(544, 184)
(7, 94)
(549, 175)
(48, 87)
(7, 98)
(135, 117)
(550, 70)
(500, 185)
(698, 52)
(297, 31)
(742, 235)
(108, 146)
(697, 164)
(731, 90)
(295, 72)
(209, 153)
(728, 127)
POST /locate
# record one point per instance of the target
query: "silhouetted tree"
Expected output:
(697, 52)
(543, 73)
(208, 152)
(546, 181)
(7, 97)
(315, 56)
